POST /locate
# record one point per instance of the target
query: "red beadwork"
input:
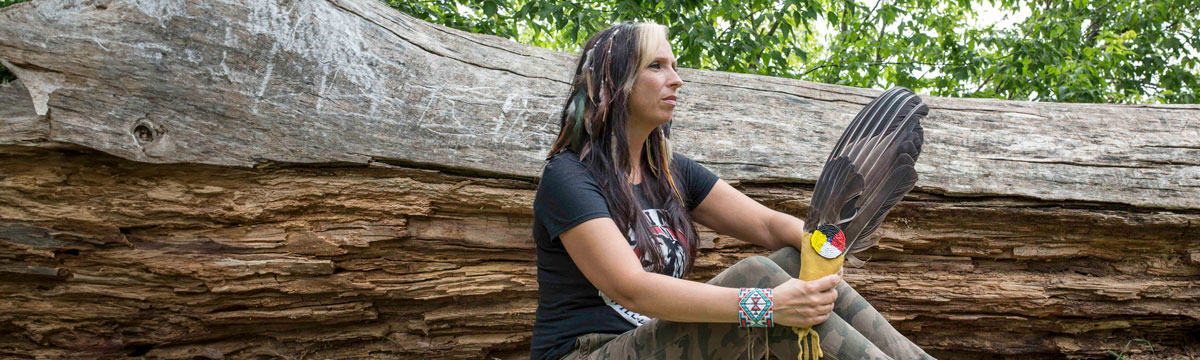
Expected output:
(839, 241)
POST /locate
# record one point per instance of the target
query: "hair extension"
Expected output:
(593, 122)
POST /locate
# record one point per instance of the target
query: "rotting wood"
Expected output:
(336, 179)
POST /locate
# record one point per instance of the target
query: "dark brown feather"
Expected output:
(836, 194)
(870, 168)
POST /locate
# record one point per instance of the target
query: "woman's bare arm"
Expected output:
(727, 211)
(605, 258)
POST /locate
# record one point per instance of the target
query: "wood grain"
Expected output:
(331, 179)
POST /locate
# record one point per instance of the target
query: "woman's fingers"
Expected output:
(828, 297)
(826, 309)
(818, 310)
(806, 303)
(823, 284)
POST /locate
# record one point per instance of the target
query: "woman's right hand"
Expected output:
(801, 303)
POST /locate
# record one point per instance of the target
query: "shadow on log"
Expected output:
(326, 179)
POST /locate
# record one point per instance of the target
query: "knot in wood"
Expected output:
(143, 133)
(146, 132)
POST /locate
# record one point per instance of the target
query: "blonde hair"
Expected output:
(651, 38)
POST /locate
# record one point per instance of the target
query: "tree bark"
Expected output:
(337, 179)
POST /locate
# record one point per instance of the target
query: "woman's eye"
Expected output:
(654, 65)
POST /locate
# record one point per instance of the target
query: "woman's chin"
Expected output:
(664, 119)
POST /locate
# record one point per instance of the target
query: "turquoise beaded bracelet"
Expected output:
(754, 307)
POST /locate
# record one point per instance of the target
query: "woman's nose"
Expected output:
(674, 81)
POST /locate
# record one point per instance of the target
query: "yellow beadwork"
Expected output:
(818, 240)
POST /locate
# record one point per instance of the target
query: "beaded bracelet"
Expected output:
(754, 307)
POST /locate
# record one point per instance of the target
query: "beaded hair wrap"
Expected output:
(605, 75)
(600, 96)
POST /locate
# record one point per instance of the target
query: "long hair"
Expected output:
(593, 124)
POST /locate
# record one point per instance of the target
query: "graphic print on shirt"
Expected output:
(669, 244)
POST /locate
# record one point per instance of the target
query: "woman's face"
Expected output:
(653, 98)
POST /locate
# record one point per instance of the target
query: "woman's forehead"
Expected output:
(662, 50)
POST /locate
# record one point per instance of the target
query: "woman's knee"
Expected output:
(754, 271)
(787, 258)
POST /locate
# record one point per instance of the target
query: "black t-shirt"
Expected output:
(568, 304)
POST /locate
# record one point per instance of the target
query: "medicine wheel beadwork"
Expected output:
(828, 241)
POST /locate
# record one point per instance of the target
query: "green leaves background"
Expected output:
(1117, 51)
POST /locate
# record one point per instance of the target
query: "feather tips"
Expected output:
(870, 168)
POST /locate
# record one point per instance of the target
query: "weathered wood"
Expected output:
(317, 81)
(336, 179)
(20, 124)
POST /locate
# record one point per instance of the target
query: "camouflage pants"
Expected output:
(854, 331)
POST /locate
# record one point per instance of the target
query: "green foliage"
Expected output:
(1082, 51)
(1121, 51)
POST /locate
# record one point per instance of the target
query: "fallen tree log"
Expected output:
(336, 179)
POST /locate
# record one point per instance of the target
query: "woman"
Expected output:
(614, 234)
